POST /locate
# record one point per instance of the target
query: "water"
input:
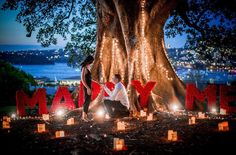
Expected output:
(204, 76)
(25, 47)
(58, 70)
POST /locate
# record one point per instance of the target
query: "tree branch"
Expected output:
(184, 16)
(162, 9)
(106, 7)
(71, 9)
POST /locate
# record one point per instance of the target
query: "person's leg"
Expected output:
(109, 107)
(87, 100)
(120, 109)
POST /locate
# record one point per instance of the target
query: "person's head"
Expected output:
(116, 78)
(87, 61)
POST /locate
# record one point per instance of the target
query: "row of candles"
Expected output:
(118, 144)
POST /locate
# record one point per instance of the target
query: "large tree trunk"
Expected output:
(130, 41)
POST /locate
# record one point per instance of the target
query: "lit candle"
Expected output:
(45, 117)
(6, 118)
(201, 115)
(170, 133)
(220, 127)
(59, 134)
(5, 125)
(192, 120)
(120, 125)
(70, 121)
(143, 113)
(174, 136)
(41, 128)
(118, 144)
(223, 126)
(150, 117)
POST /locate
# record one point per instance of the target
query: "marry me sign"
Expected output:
(226, 94)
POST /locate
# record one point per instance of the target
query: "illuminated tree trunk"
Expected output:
(130, 41)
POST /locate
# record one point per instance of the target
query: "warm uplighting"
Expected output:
(118, 144)
(174, 107)
(213, 110)
(107, 116)
(172, 135)
(45, 117)
(143, 113)
(60, 112)
(223, 126)
(100, 113)
(120, 125)
(192, 121)
(13, 115)
(70, 121)
(41, 128)
(150, 117)
(60, 134)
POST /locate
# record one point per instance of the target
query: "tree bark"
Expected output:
(130, 41)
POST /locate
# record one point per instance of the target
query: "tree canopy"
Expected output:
(12, 79)
(210, 25)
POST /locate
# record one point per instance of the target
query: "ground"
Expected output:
(141, 136)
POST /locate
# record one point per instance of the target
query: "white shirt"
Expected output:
(118, 94)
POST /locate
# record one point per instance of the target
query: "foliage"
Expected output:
(11, 80)
(210, 25)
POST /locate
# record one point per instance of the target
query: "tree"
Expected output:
(12, 79)
(130, 36)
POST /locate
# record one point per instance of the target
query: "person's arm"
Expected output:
(107, 91)
(118, 87)
(83, 78)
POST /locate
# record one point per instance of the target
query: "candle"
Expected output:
(41, 128)
(5, 125)
(150, 117)
(192, 120)
(143, 113)
(172, 135)
(45, 117)
(59, 134)
(220, 126)
(120, 125)
(118, 144)
(6, 118)
(201, 115)
(223, 126)
(70, 121)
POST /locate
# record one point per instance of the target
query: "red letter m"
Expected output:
(208, 93)
(39, 97)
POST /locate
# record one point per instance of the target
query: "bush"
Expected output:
(11, 80)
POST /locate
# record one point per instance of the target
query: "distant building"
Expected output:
(70, 81)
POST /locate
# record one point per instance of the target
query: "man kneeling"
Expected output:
(117, 104)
